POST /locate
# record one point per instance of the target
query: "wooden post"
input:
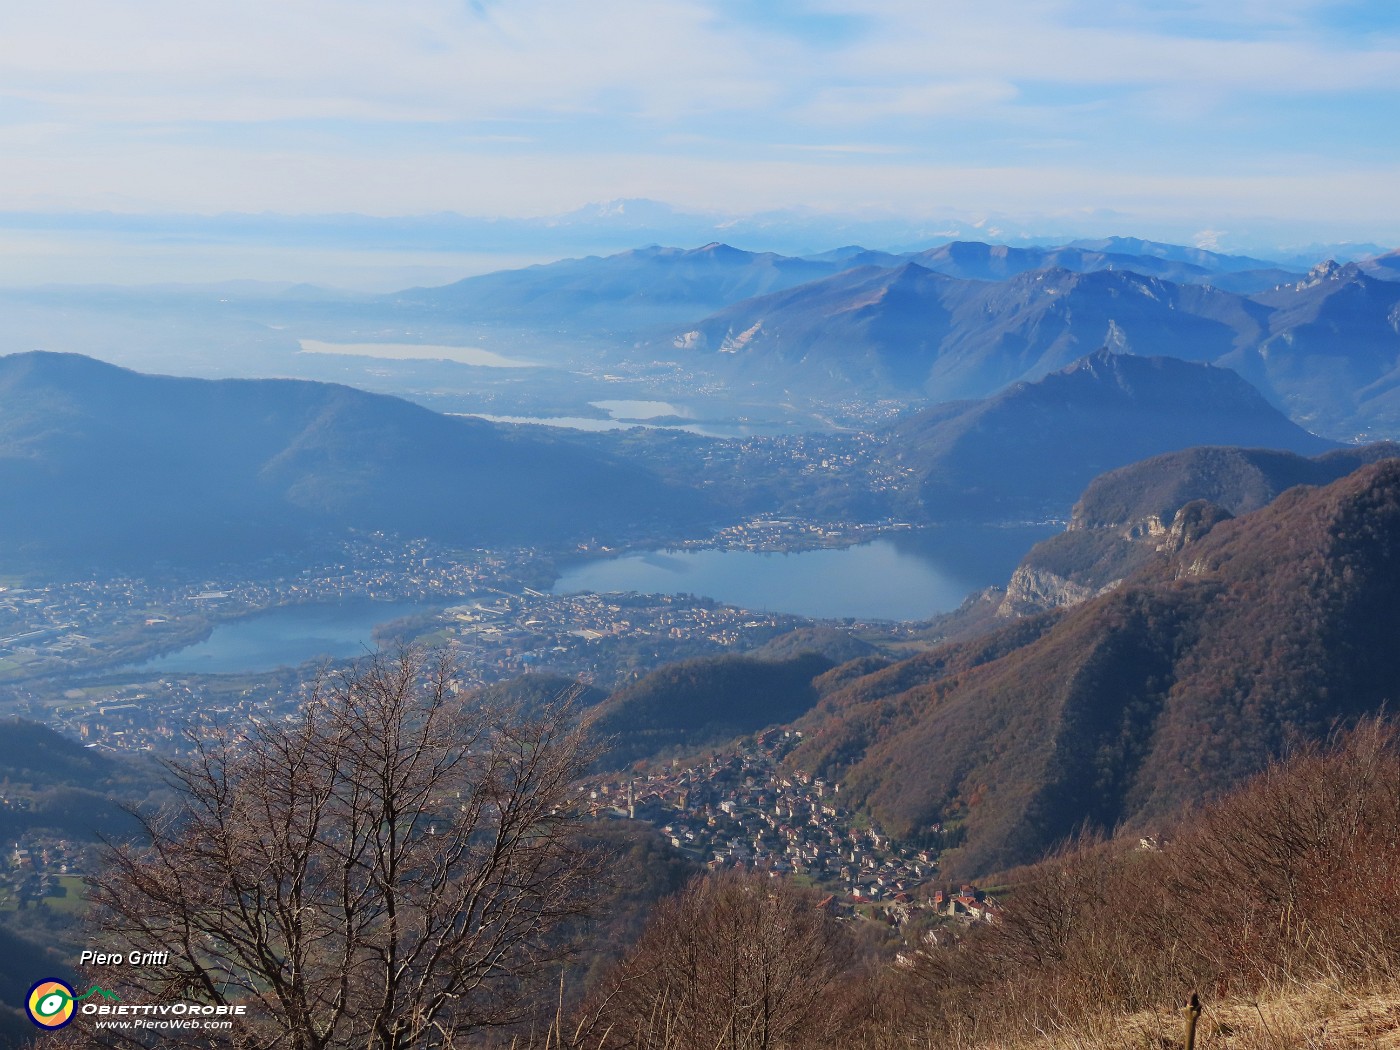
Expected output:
(1193, 1014)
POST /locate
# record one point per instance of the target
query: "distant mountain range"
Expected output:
(112, 468)
(1324, 346)
(1331, 354)
(1386, 267)
(966, 318)
(626, 291)
(910, 330)
(961, 319)
(656, 286)
(1167, 689)
(975, 260)
(602, 226)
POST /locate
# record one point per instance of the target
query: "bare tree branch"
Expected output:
(382, 872)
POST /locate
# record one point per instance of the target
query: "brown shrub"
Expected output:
(734, 962)
(1291, 879)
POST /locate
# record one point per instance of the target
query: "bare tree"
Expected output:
(383, 872)
(732, 962)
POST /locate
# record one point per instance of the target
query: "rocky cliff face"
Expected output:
(1032, 590)
(1191, 523)
(1085, 562)
(1151, 510)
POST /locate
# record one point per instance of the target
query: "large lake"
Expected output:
(287, 636)
(905, 577)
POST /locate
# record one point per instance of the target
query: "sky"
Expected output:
(1226, 122)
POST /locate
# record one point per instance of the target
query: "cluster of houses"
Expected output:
(743, 808)
(33, 869)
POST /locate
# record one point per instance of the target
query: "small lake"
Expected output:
(462, 355)
(906, 577)
(287, 636)
(640, 410)
(626, 414)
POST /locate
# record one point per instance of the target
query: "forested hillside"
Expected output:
(1177, 684)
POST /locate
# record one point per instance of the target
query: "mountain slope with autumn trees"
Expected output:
(1182, 681)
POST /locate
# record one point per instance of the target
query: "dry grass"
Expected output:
(1314, 1017)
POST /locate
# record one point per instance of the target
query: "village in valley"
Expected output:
(741, 807)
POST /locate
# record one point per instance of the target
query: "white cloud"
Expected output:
(1074, 44)
(535, 106)
(186, 61)
(422, 59)
(849, 148)
(953, 98)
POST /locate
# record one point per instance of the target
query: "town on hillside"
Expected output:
(742, 807)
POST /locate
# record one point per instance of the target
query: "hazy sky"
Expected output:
(1202, 115)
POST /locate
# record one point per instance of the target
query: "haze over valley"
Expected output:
(920, 419)
(147, 512)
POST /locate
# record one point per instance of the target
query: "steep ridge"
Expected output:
(877, 326)
(1031, 449)
(1214, 262)
(1140, 497)
(1138, 513)
(1333, 340)
(1166, 690)
(996, 262)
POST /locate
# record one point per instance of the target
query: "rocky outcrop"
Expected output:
(1072, 568)
(1191, 523)
(1032, 590)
